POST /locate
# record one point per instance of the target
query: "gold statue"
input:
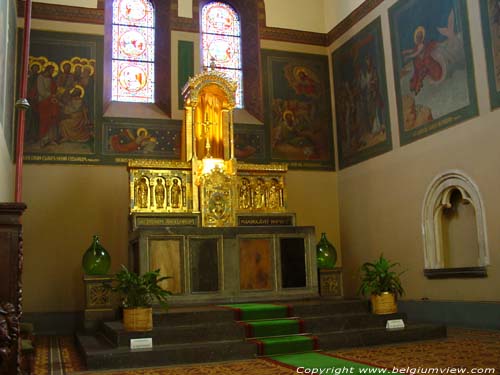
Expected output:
(206, 131)
(159, 193)
(176, 194)
(141, 196)
(245, 199)
(275, 195)
(259, 194)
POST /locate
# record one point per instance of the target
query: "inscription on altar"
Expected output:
(167, 221)
(264, 220)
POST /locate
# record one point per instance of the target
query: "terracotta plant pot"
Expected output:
(384, 303)
(138, 319)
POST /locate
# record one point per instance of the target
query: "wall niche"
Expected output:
(454, 228)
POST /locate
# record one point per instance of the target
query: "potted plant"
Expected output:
(382, 284)
(138, 292)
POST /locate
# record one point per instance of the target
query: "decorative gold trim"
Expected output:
(275, 167)
(159, 164)
(192, 88)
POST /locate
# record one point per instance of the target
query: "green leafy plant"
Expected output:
(379, 277)
(140, 290)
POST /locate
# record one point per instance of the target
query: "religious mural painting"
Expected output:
(490, 15)
(65, 97)
(433, 67)
(152, 140)
(250, 143)
(298, 109)
(361, 105)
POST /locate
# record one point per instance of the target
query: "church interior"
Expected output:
(273, 160)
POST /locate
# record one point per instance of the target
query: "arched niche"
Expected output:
(445, 193)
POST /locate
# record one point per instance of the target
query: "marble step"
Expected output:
(197, 331)
(329, 340)
(339, 322)
(328, 307)
(100, 355)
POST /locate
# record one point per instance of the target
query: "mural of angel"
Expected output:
(432, 60)
(435, 60)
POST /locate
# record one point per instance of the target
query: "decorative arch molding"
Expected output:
(438, 198)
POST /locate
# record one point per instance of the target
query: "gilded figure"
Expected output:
(245, 200)
(259, 194)
(176, 194)
(159, 193)
(141, 196)
(275, 194)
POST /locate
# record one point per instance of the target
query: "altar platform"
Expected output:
(197, 334)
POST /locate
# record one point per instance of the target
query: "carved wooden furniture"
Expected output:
(330, 282)
(11, 265)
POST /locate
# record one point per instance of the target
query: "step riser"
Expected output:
(339, 323)
(336, 340)
(236, 351)
(331, 309)
(185, 318)
(184, 334)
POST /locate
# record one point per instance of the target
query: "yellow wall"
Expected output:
(66, 206)
(381, 199)
(6, 172)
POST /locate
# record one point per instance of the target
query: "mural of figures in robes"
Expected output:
(432, 66)
(298, 109)
(361, 105)
(62, 89)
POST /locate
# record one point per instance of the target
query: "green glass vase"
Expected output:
(326, 255)
(96, 260)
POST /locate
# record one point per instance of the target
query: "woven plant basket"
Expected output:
(138, 319)
(384, 303)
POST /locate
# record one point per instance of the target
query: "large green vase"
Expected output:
(96, 260)
(326, 255)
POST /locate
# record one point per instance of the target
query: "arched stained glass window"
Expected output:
(133, 51)
(221, 42)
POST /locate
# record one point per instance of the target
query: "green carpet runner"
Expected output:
(255, 311)
(273, 329)
(282, 338)
(325, 364)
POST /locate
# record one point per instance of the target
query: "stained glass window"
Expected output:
(221, 42)
(133, 51)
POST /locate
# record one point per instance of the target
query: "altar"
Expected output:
(219, 228)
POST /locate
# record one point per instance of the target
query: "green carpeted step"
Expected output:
(275, 327)
(286, 344)
(255, 311)
(324, 362)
